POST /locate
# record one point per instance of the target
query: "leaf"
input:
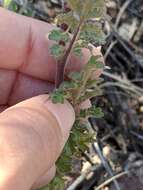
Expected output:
(58, 97)
(93, 33)
(99, 9)
(68, 85)
(89, 95)
(92, 83)
(75, 76)
(96, 112)
(82, 140)
(58, 35)
(93, 60)
(75, 5)
(77, 51)
(99, 65)
(88, 8)
(95, 63)
(57, 50)
(92, 112)
(56, 184)
(68, 19)
(13, 6)
(94, 9)
(79, 45)
(55, 35)
(64, 163)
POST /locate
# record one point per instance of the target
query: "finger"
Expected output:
(85, 105)
(42, 105)
(16, 88)
(44, 179)
(27, 47)
(33, 133)
(58, 110)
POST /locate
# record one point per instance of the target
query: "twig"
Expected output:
(109, 49)
(83, 176)
(111, 179)
(121, 12)
(136, 48)
(139, 136)
(124, 83)
(105, 163)
(87, 157)
(127, 88)
(121, 41)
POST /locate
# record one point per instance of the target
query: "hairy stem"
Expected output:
(61, 64)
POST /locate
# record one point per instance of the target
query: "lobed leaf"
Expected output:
(58, 35)
(75, 76)
(69, 19)
(75, 5)
(58, 96)
(57, 50)
(92, 112)
(93, 33)
(95, 63)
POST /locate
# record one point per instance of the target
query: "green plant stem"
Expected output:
(82, 87)
(61, 64)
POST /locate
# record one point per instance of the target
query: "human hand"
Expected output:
(32, 132)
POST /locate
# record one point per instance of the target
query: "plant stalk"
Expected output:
(61, 64)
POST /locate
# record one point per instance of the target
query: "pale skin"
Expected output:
(32, 132)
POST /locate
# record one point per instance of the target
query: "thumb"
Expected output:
(21, 127)
(63, 114)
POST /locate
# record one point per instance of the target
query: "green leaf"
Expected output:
(56, 184)
(57, 50)
(28, 13)
(58, 96)
(88, 8)
(92, 112)
(92, 83)
(93, 33)
(13, 6)
(79, 45)
(99, 9)
(99, 65)
(58, 35)
(77, 51)
(76, 5)
(68, 19)
(96, 112)
(75, 76)
(68, 85)
(90, 94)
(94, 61)
(64, 163)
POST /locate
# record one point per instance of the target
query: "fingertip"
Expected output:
(45, 179)
(65, 115)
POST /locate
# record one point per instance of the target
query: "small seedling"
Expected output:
(83, 22)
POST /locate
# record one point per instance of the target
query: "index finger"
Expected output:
(24, 47)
